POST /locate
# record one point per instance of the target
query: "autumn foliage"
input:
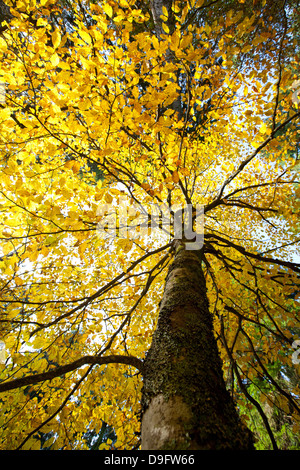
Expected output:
(107, 103)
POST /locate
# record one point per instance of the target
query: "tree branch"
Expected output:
(244, 388)
(288, 264)
(111, 284)
(218, 200)
(49, 418)
(61, 370)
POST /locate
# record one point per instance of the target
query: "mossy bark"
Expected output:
(185, 404)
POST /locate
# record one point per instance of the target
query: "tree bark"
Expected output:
(185, 404)
(5, 14)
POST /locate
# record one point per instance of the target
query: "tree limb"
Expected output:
(61, 370)
(218, 200)
(288, 264)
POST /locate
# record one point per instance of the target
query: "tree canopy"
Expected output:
(118, 104)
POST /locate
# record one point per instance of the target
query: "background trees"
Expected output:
(193, 105)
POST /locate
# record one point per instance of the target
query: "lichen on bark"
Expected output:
(183, 367)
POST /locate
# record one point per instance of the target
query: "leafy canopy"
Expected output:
(108, 102)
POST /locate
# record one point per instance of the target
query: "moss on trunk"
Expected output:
(185, 404)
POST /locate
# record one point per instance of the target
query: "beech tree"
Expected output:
(120, 328)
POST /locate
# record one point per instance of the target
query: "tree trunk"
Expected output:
(185, 404)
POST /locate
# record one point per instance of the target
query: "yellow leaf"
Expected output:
(3, 45)
(76, 167)
(165, 14)
(69, 164)
(5, 114)
(108, 198)
(176, 8)
(56, 38)
(49, 442)
(184, 171)
(108, 9)
(263, 128)
(85, 36)
(165, 27)
(41, 22)
(32, 445)
(228, 166)
(175, 176)
(54, 59)
(185, 42)
(124, 244)
(175, 41)
(255, 144)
